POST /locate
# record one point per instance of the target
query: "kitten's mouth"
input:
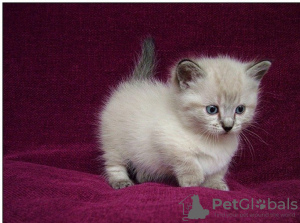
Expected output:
(218, 133)
(221, 132)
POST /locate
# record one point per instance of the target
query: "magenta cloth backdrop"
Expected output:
(60, 62)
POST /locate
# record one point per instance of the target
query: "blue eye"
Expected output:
(212, 109)
(240, 109)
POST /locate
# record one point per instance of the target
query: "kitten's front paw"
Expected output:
(190, 181)
(121, 184)
(218, 185)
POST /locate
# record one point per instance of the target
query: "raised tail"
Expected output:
(145, 66)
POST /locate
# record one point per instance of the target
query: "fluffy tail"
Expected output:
(146, 63)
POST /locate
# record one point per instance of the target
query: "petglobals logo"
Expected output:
(246, 204)
(192, 208)
(257, 208)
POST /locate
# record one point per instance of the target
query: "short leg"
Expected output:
(216, 181)
(116, 169)
(189, 173)
(118, 176)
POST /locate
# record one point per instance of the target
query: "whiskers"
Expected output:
(244, 138)
(245, 141)
(211, 137)
(254, 124)
(256, 135)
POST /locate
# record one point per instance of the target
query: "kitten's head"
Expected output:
(217, 95)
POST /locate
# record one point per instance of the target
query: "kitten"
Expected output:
(188, 128)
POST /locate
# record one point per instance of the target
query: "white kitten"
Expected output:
(187, 128)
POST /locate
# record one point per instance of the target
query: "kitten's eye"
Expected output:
(240, 109)
(212, 109)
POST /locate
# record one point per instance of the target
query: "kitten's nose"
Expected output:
(227, 129)
(227, 124)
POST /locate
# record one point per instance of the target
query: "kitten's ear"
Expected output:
(186, 72)
(258, 70)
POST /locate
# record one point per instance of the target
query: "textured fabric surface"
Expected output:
(60, 62)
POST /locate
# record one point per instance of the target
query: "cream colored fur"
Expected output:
(163, 129)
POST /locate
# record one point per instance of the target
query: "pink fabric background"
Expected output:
(60, 60)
